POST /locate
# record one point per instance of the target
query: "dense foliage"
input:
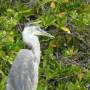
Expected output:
(65, 60)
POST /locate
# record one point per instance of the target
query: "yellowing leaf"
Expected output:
(2, 53)
(66, 1)
(52, 5)
(53, 44)
(62, 14)
(69, 38)
(80, 75)
(66, 29)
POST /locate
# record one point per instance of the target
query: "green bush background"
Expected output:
(58, 69)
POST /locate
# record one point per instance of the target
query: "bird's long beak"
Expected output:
(44, 33)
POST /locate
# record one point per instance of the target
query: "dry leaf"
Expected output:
(62, 14)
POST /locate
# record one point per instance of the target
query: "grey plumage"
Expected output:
(24, 71)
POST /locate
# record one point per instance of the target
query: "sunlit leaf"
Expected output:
(53, 5)
(67, 30)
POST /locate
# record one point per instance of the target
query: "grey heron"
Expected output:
(24, 70)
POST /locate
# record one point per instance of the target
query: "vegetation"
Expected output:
(65, 60)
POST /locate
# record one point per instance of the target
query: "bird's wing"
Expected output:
(22, 73)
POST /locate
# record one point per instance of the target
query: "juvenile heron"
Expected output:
(24, 71)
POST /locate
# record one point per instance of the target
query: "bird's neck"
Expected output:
(36, 50)
(33, 42)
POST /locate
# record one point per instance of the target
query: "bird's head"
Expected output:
(36, 31)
